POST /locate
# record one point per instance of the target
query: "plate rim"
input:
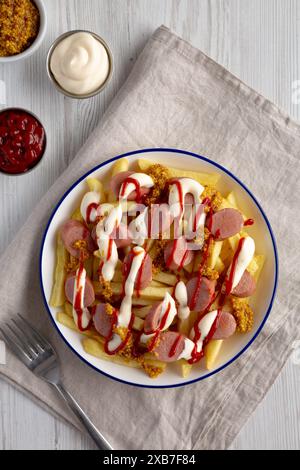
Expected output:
(237, 180)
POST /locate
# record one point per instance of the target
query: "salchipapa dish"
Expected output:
(155, 267)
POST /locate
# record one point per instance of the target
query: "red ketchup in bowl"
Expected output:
(22, 141)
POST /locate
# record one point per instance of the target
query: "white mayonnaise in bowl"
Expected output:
(79, 64)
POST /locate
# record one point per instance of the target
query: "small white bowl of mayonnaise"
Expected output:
(79, 64)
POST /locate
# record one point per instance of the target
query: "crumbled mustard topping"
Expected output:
(160, 175)
(157, 255)
(109, 309)
(210, 273)
(151, 370)
(106, 292)
(214, 195)
(121, 331)
(243, 314)
(126, 351)
(81, 245)
(72, 265)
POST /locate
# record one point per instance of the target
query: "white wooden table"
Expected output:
(257, 40)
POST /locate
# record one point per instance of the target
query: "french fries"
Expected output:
(203, 178)
(232, 200)
(95, 185)
(165, 278)
(256, 266)
(77, 215)
(141, 302)
(138, 323)
(141, 312)
(185, 368)
(150, 293)
(68, 309)
(96, 349)
(57, 298)
(120, 165)
(219, 266)
(68, 321)
(184, 326)
(118, 277)
(216, 250)
(163, 281)
(88, 266)
(212, 350)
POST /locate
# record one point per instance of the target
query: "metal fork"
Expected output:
(39, 356)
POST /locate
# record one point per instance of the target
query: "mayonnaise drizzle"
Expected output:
(107, 246)
(182, 299)
(124, 315)
(105, 227)
(92, 197)
(138, 228)
(168, 300)
(245, 256)
(187, 350)
(143, 180)
(79, 288)
(204, 326)
(176, 197)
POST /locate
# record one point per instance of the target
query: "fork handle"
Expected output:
(97, 437)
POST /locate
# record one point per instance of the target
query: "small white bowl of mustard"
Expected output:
(23, 28)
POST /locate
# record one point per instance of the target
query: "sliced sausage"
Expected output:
(159, 220)
(200, 293)
(89, 293)
(118, 179)
(188, 199)
(152, 319)
(122, 236)
(71, 232)
(144, 276)
(226, 326)
(177, 255)
(169, 346)
(246, 286)
(225, 223)
(102, 320)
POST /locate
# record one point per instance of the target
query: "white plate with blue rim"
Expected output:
(261, 302)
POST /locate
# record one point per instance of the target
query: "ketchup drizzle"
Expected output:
(162, 322)
(206, 201)
(137, 185)
(183, 260)
(197, 355)
(174, 346)
(109, 250)
(89, 210)
(139, 275)
(248, 222)
(180, 194)
(77, 301)
(169, 260)
(197, 217)
(111, 333)
(229, 280)
(156, 332)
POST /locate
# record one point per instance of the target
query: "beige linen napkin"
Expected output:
(176, 97)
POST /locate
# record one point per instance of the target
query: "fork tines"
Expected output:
(23, 339)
